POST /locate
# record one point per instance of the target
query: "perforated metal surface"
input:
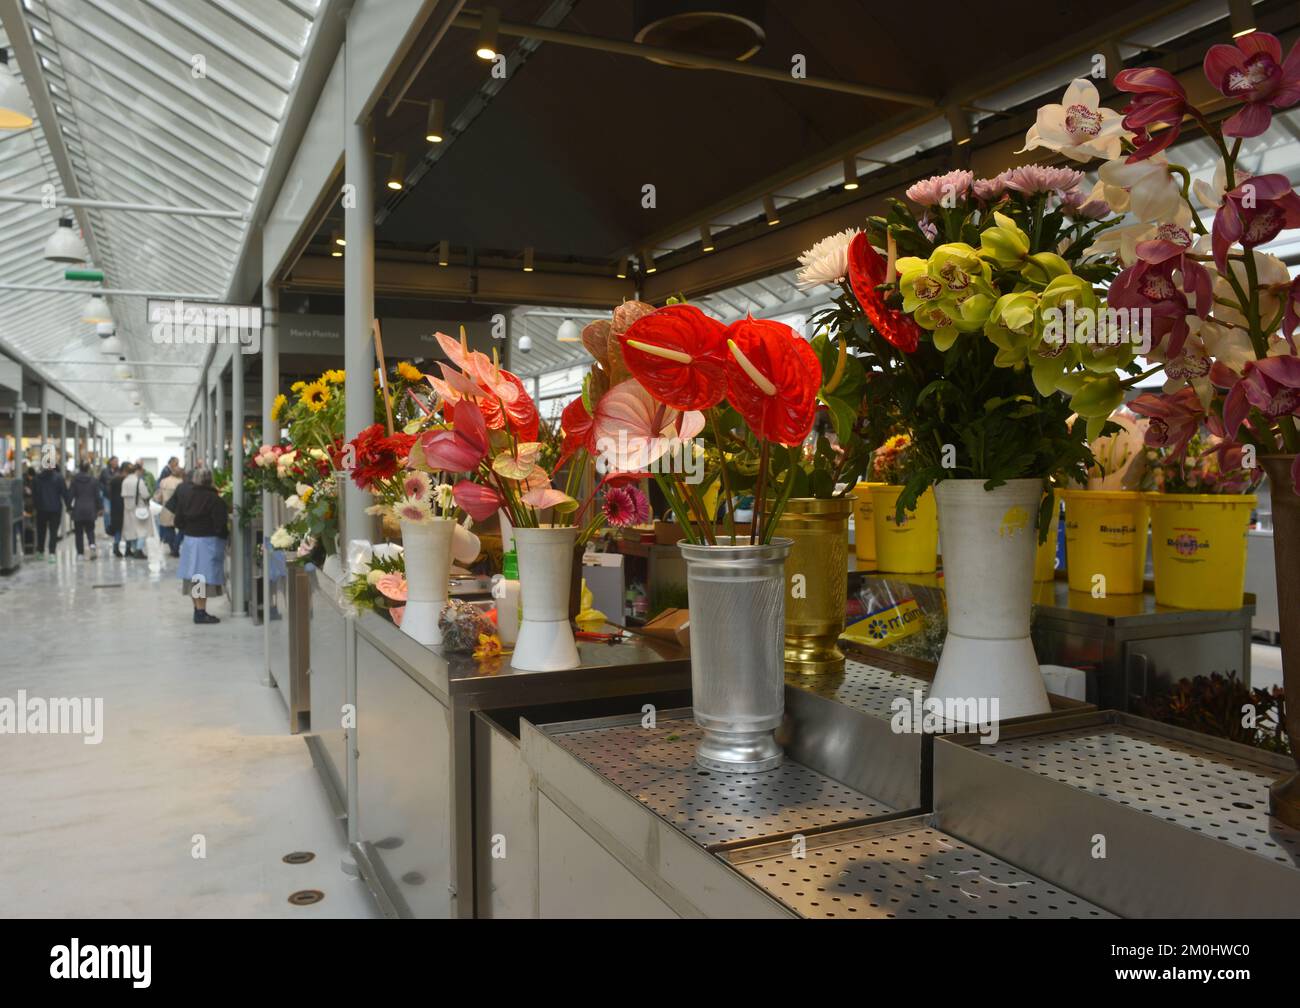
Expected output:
(656, 767)
(864, 687)
(1222, 796)
(916, 872)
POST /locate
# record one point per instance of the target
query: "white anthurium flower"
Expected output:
(1270, 270)
(827, 262)
(1145, 189)
(465, 545)
(1080, 127)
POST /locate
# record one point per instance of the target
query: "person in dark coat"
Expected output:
(117, 507)
(204, 521)
(49, 495)
(84, 503)
(106, 475)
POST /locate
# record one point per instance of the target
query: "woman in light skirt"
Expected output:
(204, 521)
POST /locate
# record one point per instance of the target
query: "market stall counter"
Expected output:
(435, 784)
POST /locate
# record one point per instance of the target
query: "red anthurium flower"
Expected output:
(772, 379)
(1254, 213)
(1252, 70)
(680, 355)
(478, 501)
(578, 429)
(866, 273)
(461, 448)
(510, 404)
(1173, 418)
(1157, 98)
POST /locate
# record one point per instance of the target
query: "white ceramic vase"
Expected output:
(545, 642)
(989, 542)
(426, 548)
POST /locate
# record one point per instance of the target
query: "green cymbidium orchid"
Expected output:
(1004, 244)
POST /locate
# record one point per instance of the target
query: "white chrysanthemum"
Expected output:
(445, 496)
(281, 538)
(827, 262)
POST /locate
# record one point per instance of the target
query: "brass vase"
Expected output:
(1284, 795)
(816, 579)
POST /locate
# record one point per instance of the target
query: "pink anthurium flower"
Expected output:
(549, 497)
(478, 501)
(461, 448)
(631, 429)
(1254, 213)
(392, 587)
(1253, 71)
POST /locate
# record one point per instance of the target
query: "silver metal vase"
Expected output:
(737, 603)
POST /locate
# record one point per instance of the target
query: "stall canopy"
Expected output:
(158, 102)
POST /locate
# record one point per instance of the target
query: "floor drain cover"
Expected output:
(118, 585)
(306, 897)
(298, 857)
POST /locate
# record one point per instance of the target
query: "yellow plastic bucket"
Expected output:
(1106, 534)
(864, 526)
(1198, 548)
(1045, 558)
(909, 547)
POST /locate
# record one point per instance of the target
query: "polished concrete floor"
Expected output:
(195, 759)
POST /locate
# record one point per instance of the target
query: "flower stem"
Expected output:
(726, 480)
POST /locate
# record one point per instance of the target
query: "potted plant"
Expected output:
(1201, 509)
(690, 363)
(1106, 520)
(907, 539)
(987, 335)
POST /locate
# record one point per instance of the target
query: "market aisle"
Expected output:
(192, 744)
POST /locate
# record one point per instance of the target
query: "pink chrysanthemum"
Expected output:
(1030, 179)
(625, 506)
(933, 191)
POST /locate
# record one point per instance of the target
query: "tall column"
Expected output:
(19, 406)
(358, 313)
(45, 415)
(219, 417)
(270, 435)
(238, 604)
(63, 437)
(205, 422)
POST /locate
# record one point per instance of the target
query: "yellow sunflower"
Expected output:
(297, 387)
(277, 407)
(315, 396)
(334, 376)
(407, 370)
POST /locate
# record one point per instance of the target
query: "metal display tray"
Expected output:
(1139, 817)
(901, 869)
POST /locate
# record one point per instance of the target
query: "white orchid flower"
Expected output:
(1145, 189)
(1080, 127)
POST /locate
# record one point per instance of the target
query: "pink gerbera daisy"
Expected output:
(416, 484)
(625, 506)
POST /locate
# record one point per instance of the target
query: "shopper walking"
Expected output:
(201, 517)
(85, 505)
(167, 486)
(117, 507)
(137, 520)
(106, 475)
(49, 495)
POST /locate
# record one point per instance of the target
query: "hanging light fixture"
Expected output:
(111, 346)
(444, 253)
(769, 208)
(336, 245)
(339, 239)
(1241, 17)
(96, 310)
(647, 262)
(15, 105)
(486, 48)
(433, 129)
(528, 259)
(65, 245)
(122, 372)
(959, 124)
(850, 173)
(706, 238)
(568, 332)
(622, 269)
(397, 171)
